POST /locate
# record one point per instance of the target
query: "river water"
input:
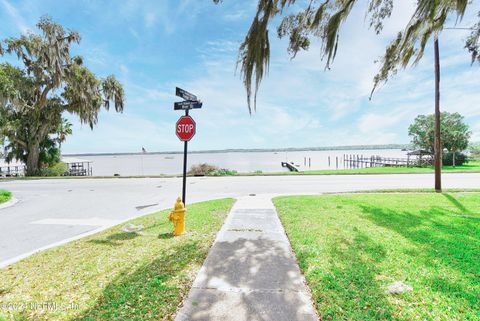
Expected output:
(156, 164)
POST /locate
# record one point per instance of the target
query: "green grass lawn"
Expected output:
(350, 247)
(114, 275)
(4, 196)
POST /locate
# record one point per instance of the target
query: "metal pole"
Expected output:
(438, 144)
(185, 148)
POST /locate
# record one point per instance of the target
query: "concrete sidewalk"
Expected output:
(250, 272)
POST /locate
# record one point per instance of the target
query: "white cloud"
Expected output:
(121, 133)
(374, 122)
(299, 104)
(16, 17)
(239, 15)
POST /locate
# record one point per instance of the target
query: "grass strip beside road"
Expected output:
(350, 247)
(409, 191)
(5, 196)
(114, 275)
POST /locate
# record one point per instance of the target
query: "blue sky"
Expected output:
(153, 46)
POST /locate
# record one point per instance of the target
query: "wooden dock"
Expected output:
(359, 161)
(75, 167)
(12, 171)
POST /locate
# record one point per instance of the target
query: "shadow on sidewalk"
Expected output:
(251, 278)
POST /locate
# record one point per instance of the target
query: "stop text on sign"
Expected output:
(185, 128)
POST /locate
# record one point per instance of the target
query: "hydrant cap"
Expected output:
(179, 204)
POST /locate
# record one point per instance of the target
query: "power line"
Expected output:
(458, 28)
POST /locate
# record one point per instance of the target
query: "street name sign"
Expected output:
(185, 94)
(185, 128)
(187, 104)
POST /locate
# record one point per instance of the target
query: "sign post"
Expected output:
(185, 127)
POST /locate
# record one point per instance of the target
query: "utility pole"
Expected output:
(438, 143)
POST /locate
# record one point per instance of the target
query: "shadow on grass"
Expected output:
(153, 291)
(455, 291)
(165, 236)
(348, 288)
(446, 241)
(115, 239)
(456, 203)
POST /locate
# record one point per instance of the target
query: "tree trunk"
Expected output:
(33, 157)
(453, 159)
(438, 144)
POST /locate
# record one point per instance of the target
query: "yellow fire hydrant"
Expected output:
(177, 217)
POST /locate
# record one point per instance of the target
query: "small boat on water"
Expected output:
(169, 157)
(292, 167)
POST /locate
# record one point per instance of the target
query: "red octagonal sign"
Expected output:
(185, 128)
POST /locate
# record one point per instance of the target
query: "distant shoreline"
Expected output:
(259, 150)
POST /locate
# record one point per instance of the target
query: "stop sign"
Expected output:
(185, 128)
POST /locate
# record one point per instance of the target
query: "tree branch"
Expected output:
(19, 142)
(43, 97)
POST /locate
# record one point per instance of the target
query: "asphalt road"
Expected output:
(53, 211)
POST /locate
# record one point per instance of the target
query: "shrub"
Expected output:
(202, 169)
(223, 172)
(4, 196)
(57, 169)
(460, 159)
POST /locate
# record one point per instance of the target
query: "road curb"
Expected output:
(20, 257)
(9, 203)
(7, 262)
